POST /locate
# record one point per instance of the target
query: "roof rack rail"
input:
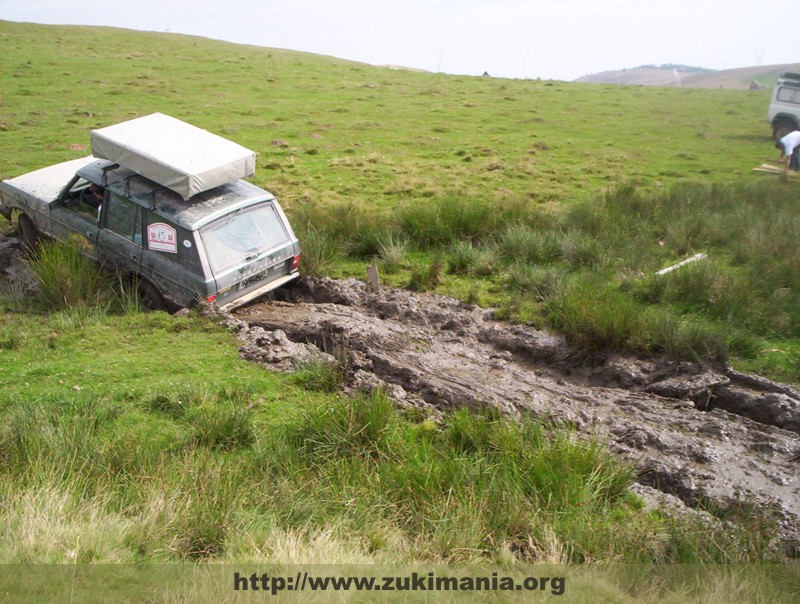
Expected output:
(106, 170)
(151, 190)
(153, 195)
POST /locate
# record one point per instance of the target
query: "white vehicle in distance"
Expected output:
(784, 107)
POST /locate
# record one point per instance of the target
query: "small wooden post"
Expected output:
(373, 278)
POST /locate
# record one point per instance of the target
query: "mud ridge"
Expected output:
(702, 434)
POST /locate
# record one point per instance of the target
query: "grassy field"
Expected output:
(329, 130)
(106, 458)
(438, 176)
(554, 202)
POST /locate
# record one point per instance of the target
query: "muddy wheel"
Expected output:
(781, 129)
(29, 235)
(150, 297)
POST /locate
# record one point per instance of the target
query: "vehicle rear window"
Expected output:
(789, 95)
(240, 237)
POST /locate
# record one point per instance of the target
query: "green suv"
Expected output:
(202, 233)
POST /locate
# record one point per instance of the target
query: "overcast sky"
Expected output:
(551, 39)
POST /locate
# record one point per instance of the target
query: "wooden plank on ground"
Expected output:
(694, 258)
(773, 169)
(769, 168)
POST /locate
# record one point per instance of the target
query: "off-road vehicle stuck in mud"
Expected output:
(166, 204)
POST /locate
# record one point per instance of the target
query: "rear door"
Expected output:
(248, 249)
(120, 239)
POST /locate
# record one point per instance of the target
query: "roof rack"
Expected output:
(105, 170)
(186, 159)
(153, 195)
(148, 188)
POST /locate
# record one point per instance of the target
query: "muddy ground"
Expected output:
(701, 436)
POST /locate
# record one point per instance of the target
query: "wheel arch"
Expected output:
(782, 124)
(149, 288)
(785, 117)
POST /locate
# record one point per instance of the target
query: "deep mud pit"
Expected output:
(703, 434)
(699, 435)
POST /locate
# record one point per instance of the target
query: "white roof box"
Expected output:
(176, 155)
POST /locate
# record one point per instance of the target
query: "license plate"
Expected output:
(253, 279)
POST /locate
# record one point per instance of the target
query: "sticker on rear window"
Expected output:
(162, 238)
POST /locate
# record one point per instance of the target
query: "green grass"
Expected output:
(109, 455)
(185, 465)
(379, 137)
(319, 375)
(208, 457)
(68, 280)
(590, 271)
(553, 201)
(571, 177)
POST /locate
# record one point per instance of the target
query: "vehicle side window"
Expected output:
(85, 199)
(124, 218)
(789, 95)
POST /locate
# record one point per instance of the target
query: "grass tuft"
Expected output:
(319, 375)
(595, 315)
(465, 258)
(358, 427)
(320, 251)
(425, 278)
(67, 278)
(222, 426)
(392, 252)
(540, 283)
(522, 243)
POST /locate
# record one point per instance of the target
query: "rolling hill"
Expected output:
(730, 79)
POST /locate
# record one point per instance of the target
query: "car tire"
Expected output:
(781, 129)
(150, 297)
(29, 235)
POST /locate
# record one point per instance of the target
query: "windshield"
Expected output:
(236, 239)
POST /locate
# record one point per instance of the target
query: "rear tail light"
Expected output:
(295, 263)
(211, 299)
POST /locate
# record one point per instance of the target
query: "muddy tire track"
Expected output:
(703, 434)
